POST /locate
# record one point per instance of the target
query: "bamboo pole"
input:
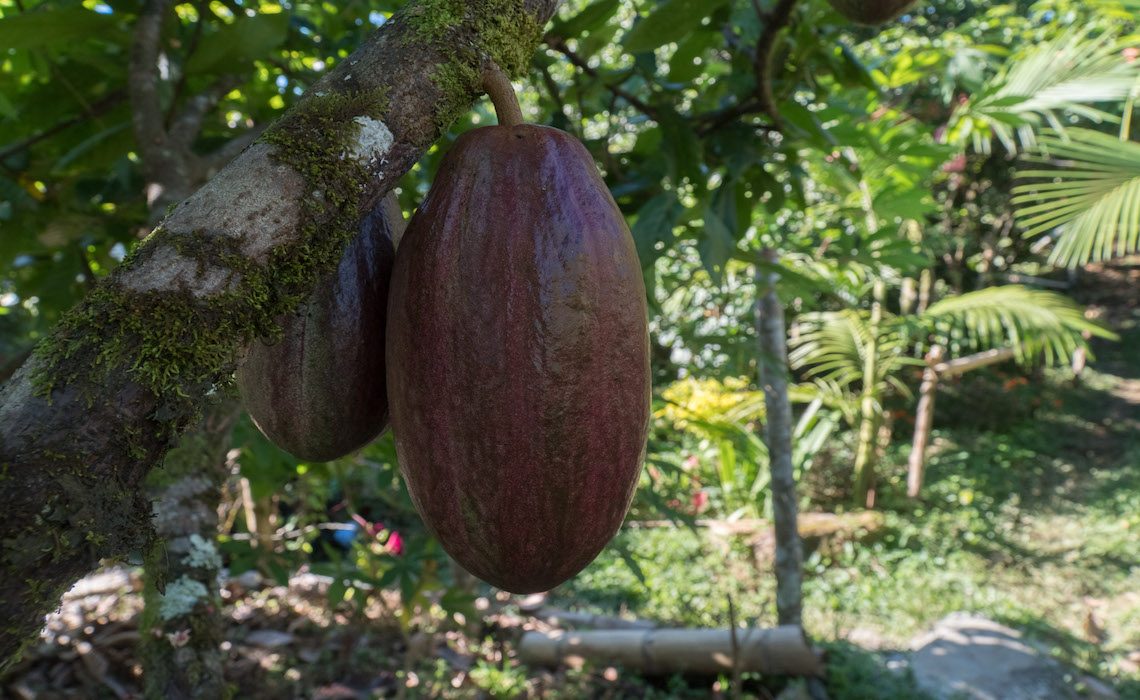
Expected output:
(961, 365)
(924, 419)
(780, 650)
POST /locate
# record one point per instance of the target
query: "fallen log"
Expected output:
(779, 650)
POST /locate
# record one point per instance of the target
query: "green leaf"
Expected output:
(654, 224)
(1092, 195)
(234, 45)
(683, 66)
(669, 21)
(717, 245)
(1032, 321)
(91, 142)
(7, 109)
(807, 123)
(903, 203)
(682, 147)
(337, 591)
(55, 27)
(627, 556)
(1070, 74)
(593, 16)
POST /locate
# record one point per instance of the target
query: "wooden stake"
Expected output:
(961, 365)
(924, 419)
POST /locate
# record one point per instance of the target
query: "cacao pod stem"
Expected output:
(502, 95)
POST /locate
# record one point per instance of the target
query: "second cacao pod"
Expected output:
(320, 392)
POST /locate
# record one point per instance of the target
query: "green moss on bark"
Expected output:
(469, 35)
(183, 347)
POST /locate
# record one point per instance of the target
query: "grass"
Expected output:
(1034, 523)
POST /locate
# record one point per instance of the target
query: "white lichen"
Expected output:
(373, 141)
(180, 598)
(202, 554)
(179, 639)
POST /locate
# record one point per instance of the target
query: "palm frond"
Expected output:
(1092, 193)
(1033, 322)
(832, 347)
(1065, 76)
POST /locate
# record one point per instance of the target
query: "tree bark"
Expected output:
(773, 363)
(84, 421)
(923, 421)
(182, 627)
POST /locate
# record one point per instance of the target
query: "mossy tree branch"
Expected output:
(107, 394)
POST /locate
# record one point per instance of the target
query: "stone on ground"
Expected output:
(974, 658)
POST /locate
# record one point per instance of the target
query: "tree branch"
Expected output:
(774, 22)
(143, 80)
(84, 420)
(188, 124)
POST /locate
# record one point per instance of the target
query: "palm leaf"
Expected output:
(1032, 321)
(831, 347)
(1064, 76)
(1092, 193)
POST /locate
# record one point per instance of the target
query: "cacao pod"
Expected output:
(518, 357)
(871, 12)
(320, 393)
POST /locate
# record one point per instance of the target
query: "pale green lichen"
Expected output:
(181, 596)
(202, 554)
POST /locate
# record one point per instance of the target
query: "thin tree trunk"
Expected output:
(869, 407)
(182, 626)
(908, 296)
(923, 421)
(925, 288)
(772, 335)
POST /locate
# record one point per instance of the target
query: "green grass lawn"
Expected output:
(1031, 518)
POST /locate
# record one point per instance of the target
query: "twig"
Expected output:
(89, 277)
(558, 44)
(774, 22)
(498, 87)
(186, 127)
(552, 87)
(95, 109)
(194, 39)
(146, 106)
